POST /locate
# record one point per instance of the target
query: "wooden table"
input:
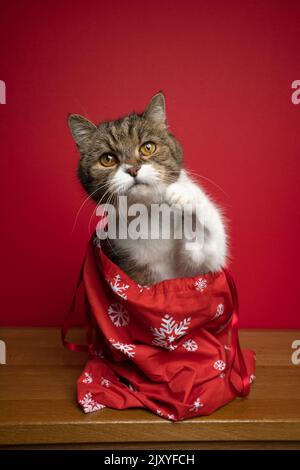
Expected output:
(38, 403)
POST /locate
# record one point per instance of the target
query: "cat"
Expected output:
(138, 157)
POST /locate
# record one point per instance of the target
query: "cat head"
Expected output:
(135, 155)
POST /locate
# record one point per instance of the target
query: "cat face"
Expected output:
(134, 156)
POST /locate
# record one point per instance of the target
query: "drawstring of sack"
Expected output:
(88, 319)
(235, 350)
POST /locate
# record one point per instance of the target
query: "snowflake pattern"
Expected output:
(222, 375)
(118, 286)
(169, 331)
(196, 405)
(190, 345)
(127, 349)
(89, 404)
(219, 365)
(171, 417)
(88, 379)
(142, 288)
(159, 413)
(200, 284)
(252, 378)
(98, 354)
(132, 388)
(219, 312)
(105, 382)
(118, 314)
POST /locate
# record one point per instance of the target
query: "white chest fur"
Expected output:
(161, 256)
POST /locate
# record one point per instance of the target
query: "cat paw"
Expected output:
(183, 196)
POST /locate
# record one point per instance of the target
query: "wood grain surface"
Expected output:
(38, 401)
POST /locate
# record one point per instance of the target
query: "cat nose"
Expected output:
(133, 170)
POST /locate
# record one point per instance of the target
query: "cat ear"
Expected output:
(156, 110)
(80, 127)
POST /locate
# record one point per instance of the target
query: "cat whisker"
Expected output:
(84, 202)
(190, 172)
(193, 173)
(95, 209)
(110, 199)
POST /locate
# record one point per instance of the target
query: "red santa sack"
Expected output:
(164, 347)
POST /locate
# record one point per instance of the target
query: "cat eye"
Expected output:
(108, 160)
(147, 149)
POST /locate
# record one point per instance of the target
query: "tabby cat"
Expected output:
(138, 157)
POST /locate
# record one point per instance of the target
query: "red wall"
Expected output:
(226, 69)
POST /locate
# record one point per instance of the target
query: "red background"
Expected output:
(226, 69)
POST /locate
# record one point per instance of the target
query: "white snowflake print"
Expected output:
(142, 288)
(190, 345)
(118, 314)
(200, 284)
(127, 349)
(252, 378)
(159, 412)
(171, 417)
(219, 312)
(118, 286)
(105, 382)
(132, 388)
(219, 365)
(98, 354)
(169, 331)
(89, 405)
(227, 348)
(88, 379)
(196, 405)
(222, 375)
